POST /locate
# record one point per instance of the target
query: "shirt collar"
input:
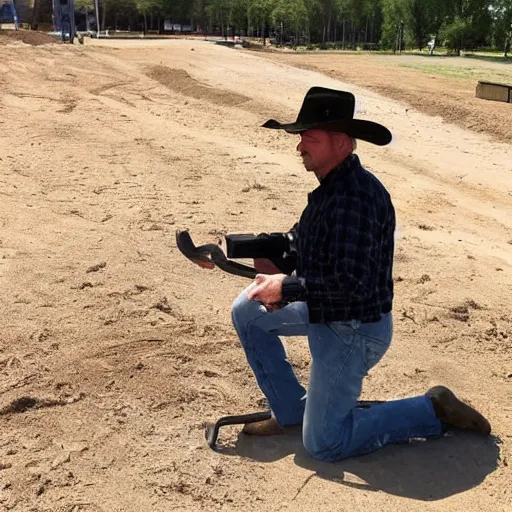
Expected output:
(350, 163)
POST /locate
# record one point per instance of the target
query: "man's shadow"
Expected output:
(427, 470)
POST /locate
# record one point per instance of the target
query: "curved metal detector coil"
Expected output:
(211, 253)
(211, 430)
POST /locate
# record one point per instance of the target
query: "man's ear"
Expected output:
(343, 143)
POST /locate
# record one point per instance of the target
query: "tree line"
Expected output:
(366, 24)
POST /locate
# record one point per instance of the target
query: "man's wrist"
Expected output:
(294, 289)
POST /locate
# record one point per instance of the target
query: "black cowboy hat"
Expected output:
(332, 110)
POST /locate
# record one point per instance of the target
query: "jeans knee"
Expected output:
(324, 453)
(312, 446)
(243, 311)
(320, 448)
(238, 309)
(310, 436)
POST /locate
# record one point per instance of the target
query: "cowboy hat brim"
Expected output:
(361, 129)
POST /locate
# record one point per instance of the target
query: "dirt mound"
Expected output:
(178, 80)
(30, 37)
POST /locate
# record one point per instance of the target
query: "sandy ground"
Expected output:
(115, 349)
(439, 86)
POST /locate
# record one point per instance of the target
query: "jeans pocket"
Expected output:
(373, 351)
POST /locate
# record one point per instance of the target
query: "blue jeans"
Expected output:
(333, 427)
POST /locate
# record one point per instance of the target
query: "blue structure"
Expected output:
(8, 13)
(64, 19)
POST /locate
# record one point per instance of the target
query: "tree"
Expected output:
(239, 14)
(469, 24)
(394, 12)
(219, 11)
(146, 7)
(418, 17)
(292, 16)
(460, 24)
(260, 12)
(501, 12)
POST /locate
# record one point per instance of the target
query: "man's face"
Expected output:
(321, 151)
(315, 148)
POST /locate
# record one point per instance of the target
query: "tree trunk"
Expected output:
(329, 19)
(366, 31)
(343, 34)
(103, 14)
(35, 15)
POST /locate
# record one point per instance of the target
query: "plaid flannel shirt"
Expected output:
(345, 246)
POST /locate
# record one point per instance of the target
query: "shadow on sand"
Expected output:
(429, 470)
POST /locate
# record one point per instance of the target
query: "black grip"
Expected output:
(265, 245)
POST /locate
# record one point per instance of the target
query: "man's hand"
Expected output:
(267, 289)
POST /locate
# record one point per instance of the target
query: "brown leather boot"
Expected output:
(263, 428)
(455, 413)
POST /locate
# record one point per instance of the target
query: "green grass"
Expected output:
(490, 57)
(463, 72)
